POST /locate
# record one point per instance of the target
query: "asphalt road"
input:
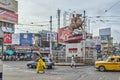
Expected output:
(17, 70)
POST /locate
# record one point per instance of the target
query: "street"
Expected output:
(17, 70)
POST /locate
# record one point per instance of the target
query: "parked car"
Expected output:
(48, 61)
(111, 63)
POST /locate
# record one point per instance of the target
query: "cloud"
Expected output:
(41, 10)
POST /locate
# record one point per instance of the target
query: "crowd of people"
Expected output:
(18, 57)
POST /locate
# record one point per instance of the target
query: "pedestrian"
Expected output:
(40, 66)
(73, 61)
(76, 59)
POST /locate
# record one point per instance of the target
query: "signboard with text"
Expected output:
(8, 16)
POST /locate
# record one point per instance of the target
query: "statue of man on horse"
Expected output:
(76, 22)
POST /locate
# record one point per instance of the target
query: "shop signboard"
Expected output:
(74, 49)
(11, 5)
(8, 16)
(8, 29)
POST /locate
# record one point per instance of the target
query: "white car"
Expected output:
(48, 61)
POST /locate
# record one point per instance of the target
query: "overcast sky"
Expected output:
(39, 11)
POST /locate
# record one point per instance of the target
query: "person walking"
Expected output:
(73, 61)
(40, 66)
(76, 60)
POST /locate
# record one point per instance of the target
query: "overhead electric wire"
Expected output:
(112, 6)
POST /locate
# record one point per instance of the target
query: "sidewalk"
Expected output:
(68, 64)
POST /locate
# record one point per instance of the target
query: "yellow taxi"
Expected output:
(111, 63)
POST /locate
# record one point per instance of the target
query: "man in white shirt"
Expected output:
(72, 61)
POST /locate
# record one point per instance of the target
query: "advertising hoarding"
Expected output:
(29, 39)
(36, 40)
(90, 43)
(8, 16)
(63, 36)
(46, 36)
(105, 31)
(16, 39)
(11, 5)
(25, 39)
(7, 38)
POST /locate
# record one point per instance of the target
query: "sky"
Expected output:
(39, 12)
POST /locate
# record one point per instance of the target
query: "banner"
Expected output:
(8, 16)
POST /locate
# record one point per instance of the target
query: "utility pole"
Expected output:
(51, 37)
(58, 13)
(64, 19)
(84, 37)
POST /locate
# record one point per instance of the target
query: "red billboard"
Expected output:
(8, 16)
(7, 38)
(63, 35)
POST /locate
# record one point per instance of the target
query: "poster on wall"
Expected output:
(25, 39)
(7, 38)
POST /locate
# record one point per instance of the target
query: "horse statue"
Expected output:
(76, 22)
